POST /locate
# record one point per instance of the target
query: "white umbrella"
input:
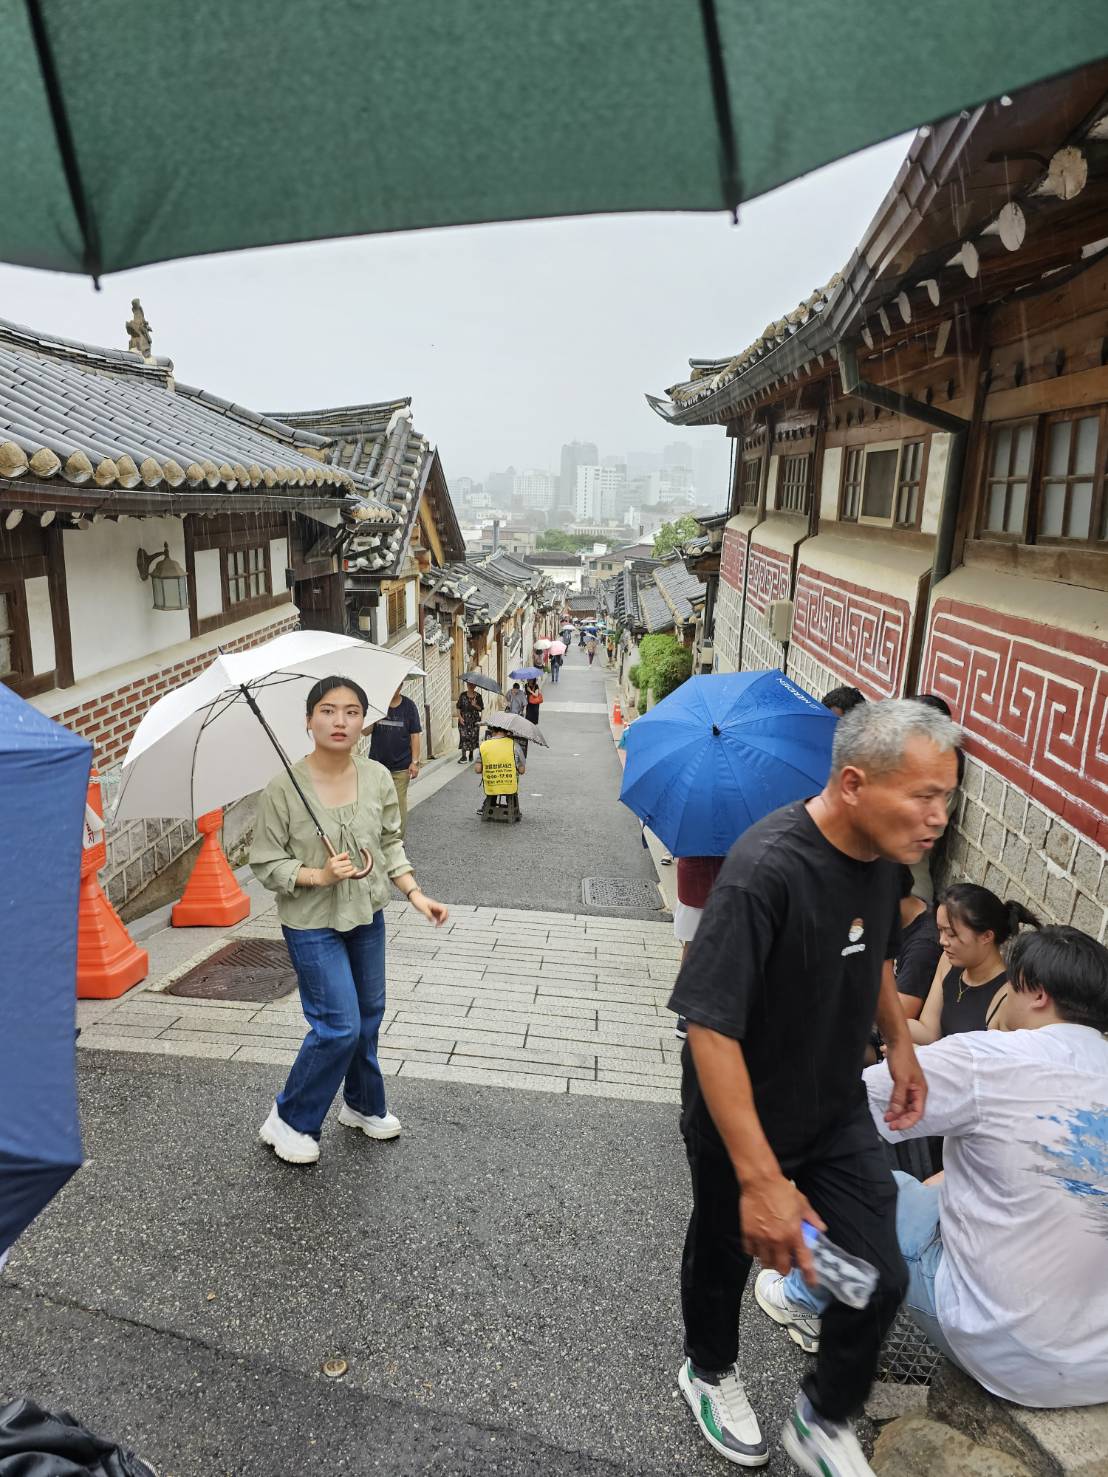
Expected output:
(543, 644)
(224, 734)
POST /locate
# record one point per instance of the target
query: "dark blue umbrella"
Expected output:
(44, 772)
(721, 752)
(524, 674)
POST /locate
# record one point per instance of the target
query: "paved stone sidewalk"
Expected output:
(546, 1002)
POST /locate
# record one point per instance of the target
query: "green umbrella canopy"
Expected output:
(135, 131)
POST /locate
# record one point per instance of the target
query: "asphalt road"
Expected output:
(573, 824)
(502, 1282)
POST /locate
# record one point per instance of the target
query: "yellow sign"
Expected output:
(498, 767)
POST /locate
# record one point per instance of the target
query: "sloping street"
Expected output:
(501, 1282)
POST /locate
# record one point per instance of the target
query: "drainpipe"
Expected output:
(941, 420)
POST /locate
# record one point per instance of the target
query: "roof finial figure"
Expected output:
(139, 331)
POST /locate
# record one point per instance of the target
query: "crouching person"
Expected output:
(500, 764)
(1006, 1254)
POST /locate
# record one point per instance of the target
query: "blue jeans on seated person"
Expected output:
(921, 1245)
(342, 991)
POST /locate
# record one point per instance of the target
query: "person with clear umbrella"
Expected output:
(332, 884)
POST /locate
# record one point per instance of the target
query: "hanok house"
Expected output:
(388, 588)
(143, 524)
(507, 605)
(919, 501)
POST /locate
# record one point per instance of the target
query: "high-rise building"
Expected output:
(600, 492)
(575, 454)
(500, 486)
(677, 454)
(535, 489)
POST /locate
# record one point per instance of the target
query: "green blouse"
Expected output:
(285, 840)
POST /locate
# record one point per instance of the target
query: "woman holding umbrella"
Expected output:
(331, 912)
(471, 706)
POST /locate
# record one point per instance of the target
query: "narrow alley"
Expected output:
(512, 1257)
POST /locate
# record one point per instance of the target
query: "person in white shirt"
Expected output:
(1007, 1255)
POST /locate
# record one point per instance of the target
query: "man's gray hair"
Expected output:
(874, 736)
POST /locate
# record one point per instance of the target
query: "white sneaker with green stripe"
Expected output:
(724, 1416)
(820, 1447)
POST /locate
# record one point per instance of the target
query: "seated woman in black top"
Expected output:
(970, 981)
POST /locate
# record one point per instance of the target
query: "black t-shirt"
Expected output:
(391, 740)
(918, 956)
(787, 959)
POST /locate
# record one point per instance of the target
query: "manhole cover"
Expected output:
(251, 969)
(906, 1356)
(619, 892)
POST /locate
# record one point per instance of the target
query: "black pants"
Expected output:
(847, 1180)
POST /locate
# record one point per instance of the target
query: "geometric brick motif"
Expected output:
(862, 634)
(1033, 701)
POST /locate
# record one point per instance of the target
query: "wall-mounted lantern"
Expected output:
(167, 580)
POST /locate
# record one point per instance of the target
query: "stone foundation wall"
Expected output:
(810, 674)
(1018, 849)
(761, 652)
(728, 616)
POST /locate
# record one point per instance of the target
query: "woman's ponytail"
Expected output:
(1018, 916)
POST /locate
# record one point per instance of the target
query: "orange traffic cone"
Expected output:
(109, 961)
(213, 898)
(617, 714)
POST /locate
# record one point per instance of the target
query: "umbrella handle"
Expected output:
(366, 858)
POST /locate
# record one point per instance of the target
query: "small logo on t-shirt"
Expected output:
(857, 929)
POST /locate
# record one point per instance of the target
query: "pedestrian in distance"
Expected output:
(555, 668)
(534, 700)
(471, 707)
(581, 639)
(590, 649)
(394, 742)
(791, 964)
(333, 920)
(517, 700)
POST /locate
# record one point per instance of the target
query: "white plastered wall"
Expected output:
(41, 624)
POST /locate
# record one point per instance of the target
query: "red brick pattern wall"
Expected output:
(768, 577)
(857, 632)
(732, 559)
(1033, 701)
(109, 721)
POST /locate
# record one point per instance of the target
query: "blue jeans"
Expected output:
(342, 990)
(921, 1245)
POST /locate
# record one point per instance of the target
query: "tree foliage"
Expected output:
(672, 535)
(556, 540)
(662, 666)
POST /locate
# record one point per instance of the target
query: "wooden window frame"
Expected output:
(398, 593)
(987, 480)
(751, 475)
(1097, 532)
(784, 486)
(901, 446)
(850, 485)
(199, 538)
(21, 678)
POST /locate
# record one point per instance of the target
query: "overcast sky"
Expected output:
(510, 339)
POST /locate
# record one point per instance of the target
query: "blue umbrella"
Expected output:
(44, 772)
(524, 674)
(721, 752)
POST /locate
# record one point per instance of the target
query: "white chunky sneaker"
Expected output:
(374, 1127)
(286, 1143)
(822, 1448)
(724, 1416)
(801, 1325)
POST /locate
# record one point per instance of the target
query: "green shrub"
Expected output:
(642, 700)
(672, 670)
(633, 674)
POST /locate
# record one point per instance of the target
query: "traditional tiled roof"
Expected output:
(951, 228)
(583, 602)
(554, 558)
(680, 589)
(377, 444)
(511, 569)
(656, 614)
(109, 417)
